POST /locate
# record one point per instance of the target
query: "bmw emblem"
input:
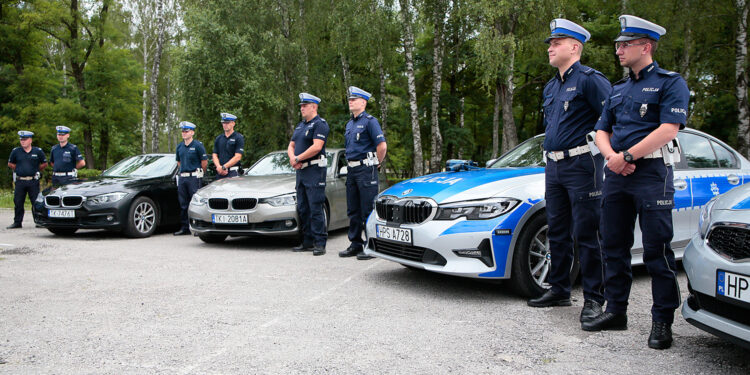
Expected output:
(407, 191)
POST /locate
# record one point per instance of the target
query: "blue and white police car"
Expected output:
(489, 223)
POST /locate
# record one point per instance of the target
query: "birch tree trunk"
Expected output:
(412, 89)
(383, 109)
(437, 80)
(144, 118)
(741, 78)
(155, 77)
(496, 121)
(461, 124)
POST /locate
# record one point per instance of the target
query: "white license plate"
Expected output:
(733, 285)
(229, 219)
(394, 234)
(65, 214)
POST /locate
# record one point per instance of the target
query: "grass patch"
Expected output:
(6, 199)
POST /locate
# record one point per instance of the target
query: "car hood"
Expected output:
(254, 186)
(735, 199)
(101, 185)
(477, 184)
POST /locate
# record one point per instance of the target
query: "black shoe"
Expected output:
(302, 247)
(13, 226)
(661, 336)
(319, 250)
(607, 321)
(549, 299)
(350, 252)
(363, 256)
(181, 232)
(591, 309)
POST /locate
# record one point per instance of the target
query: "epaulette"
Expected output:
(622, 80)
(324, 120)
(369, 116)
(666, 72)
(588, 72)
(58, 145)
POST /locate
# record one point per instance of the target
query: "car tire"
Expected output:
(531, 259)
(63, 231)
(143, 217)
(212, 238)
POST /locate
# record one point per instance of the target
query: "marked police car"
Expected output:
(489, 223)
(717, 264)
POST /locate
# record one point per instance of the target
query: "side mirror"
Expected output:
(343, 171)
(487, 164)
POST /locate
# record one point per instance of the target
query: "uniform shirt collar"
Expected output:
(364, 113)
(573, 68)
(647, 71)
(312, 119)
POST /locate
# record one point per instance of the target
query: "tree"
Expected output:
(408, 36)
(741, 78)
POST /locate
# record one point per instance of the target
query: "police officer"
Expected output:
(573, 101)
(228, 148)
(26, 162)
(365, 150)
(640, 120)
(307, 154)
(192, 161)
(65, 158)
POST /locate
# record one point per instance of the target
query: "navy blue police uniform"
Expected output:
(362, 136)
(27, 177)
(635, 108)
(64, 160)
(225, 147)
(573, 183)
(311, 182)
(190, 175)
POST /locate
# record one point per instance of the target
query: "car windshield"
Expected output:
(527, 154)
(275, 164)
(143, 166)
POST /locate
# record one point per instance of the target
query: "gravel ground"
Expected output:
(101, 303)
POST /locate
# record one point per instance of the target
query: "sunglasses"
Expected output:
(619, 45)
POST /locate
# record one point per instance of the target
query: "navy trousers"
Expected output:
(186, 187)
(311, 197)
(23, 187)
(648, 193)
(573, 189)
(361, 189)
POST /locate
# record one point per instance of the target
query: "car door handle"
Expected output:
(733, 179)
(680, 184)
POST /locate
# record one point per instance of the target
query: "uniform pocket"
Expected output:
(646, 107)
(666, 203)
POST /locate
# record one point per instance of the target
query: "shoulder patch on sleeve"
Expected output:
(667, 72)
(369, 116)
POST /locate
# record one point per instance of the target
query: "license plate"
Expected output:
(229, 219)
(394, 234)
(733, 286)
(65, 214)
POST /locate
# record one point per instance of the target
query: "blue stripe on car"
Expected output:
(743, 205)
(501, 243)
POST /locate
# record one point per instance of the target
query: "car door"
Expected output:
(336, 190)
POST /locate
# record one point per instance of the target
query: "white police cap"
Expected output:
(62, 129)
(562, 28)
(187, 125)
(632, 27)
(358, 93)
(25, 134)
(228, 117)
(308, 98)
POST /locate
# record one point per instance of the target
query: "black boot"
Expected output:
(548, 299)
(661, 335)
(182, 232)
(607, 321)
(591, 309)
(319, 250)
(350, 251)
(363, 256)
(302, 247)
(13, 226)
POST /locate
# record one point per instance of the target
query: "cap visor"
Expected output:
(557, 36)
(630, 36)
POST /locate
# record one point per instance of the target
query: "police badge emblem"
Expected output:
(357, 136)
(307, 132)
(565, 106)
(644, 108)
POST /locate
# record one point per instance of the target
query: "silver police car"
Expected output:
(717, 264)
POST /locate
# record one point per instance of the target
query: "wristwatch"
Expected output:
(223, 167)
(296, 159)
(628, 157)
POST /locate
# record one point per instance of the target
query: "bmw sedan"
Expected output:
(490, 223)
(134, 196)
(717, 264)
(263, 200)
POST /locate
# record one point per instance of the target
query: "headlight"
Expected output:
(476, 210)
(704, 221)
(106, 198)
(281, 200)
(197, 200)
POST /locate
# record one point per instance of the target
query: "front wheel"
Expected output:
(143, 217)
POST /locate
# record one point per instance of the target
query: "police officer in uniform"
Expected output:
(192, 160)
(228, 148)
(635, 134)
(307, 154)
(65, 158)
(26, 162)
(365, 150)
(573, 101)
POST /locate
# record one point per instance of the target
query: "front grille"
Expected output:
(218, 203)
(733, 242)
(404, 211)
(725, 309)
(244, 203)
(52, 200)
(72, 201)
(408, 252)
